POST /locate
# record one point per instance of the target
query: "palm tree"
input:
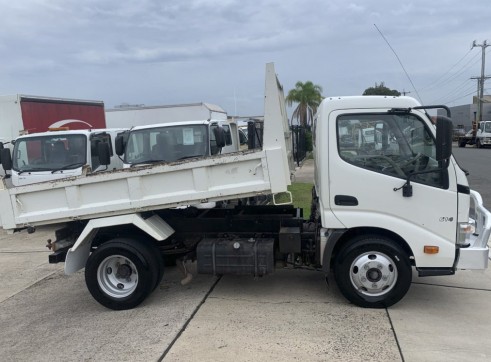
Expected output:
(308, 96)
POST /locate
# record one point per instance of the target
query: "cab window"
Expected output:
(396, 145)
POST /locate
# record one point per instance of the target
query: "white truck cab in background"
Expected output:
(54, 155)
(483, 134)
(171, 142)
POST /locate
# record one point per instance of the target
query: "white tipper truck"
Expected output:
(380, 207)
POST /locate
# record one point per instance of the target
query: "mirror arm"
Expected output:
(407, 188)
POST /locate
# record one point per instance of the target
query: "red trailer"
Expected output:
(21, 114)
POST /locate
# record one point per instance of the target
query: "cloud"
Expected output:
(47, 45)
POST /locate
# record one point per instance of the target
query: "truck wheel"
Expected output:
(462, 144)
(373, 272)
(478, 143)
(159, 264)
(121, 273)
(151, 250)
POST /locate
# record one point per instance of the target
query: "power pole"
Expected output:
(480, 95)
(404, 92)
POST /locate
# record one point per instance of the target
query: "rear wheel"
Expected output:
(462, 143)
(121, 273)
(373, 272)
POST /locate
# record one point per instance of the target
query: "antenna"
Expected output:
(404, 69)
(235, 104)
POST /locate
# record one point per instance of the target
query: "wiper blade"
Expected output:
(66, 167)
(32, 170)
(146, 161)
(399, 110)
(183, 158)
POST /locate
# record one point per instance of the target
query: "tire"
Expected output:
(478, 143)
(121, 273)
(462, 144)
(387, 272)
(153, 251)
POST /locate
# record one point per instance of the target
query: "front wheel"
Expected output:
(121, 273)
(373, 272)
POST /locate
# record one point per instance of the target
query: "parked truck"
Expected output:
(480, 137)
(53, 155)
(169, 142)
(140, 115)
(24, 114)
(377, 212)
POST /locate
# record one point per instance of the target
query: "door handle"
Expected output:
(345, 200)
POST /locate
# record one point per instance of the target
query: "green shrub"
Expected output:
(308, 140)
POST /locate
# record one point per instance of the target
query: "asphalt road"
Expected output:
(478, 162)
(289, 316)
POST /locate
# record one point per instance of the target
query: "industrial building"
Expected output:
(464, 115)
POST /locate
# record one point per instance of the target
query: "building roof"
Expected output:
(211, 107)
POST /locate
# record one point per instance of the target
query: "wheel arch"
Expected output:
(331, 252)
(153, 227)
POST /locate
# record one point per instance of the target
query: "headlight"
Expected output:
(465, 230)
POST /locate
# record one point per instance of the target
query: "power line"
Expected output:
(465, 95)
(454, 93)
(461, 70)
(460, 87)
(459, 90)
(448, 71)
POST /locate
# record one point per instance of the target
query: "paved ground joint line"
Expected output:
(395, 334)
(31, 285)
(452, 286)
(198, 307)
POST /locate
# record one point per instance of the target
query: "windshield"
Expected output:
(167, 144)
(47, 153)
(487, 127)
(397, 145)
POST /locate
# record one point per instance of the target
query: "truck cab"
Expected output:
(172, 142)
(483, 135)
(404, 196)
(53, 155)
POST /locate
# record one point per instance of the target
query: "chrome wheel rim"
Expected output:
(117, 276)
(373, 273)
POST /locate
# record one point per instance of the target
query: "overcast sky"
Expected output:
(172, 52)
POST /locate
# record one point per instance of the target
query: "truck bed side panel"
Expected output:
(141, 189)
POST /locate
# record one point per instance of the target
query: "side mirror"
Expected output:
(219, 136)
(444, 129)
(104, 153)
(6, 159)
(120, 144)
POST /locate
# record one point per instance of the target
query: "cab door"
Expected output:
(374, 155)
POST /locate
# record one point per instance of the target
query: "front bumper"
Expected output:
(475, 254)
(485, 141)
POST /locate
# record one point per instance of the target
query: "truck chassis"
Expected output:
(125, 264)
